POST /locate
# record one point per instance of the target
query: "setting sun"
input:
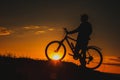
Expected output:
(56, 57)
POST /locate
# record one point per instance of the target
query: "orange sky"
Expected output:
(32, 40)
(32, 44)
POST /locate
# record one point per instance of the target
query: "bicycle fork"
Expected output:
(59, 46)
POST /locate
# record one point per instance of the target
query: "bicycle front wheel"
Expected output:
(93, 57)
(55, 50)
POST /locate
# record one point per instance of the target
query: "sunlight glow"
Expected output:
(56, 57)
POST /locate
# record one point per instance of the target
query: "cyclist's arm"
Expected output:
(74, 31)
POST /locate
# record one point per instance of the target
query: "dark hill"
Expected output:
(29, 69)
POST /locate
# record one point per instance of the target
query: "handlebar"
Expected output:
(65, 30)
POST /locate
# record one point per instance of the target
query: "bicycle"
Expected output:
(93, 54)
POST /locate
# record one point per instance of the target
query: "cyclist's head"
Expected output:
(84, 17)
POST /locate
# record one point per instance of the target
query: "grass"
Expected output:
(12, 68)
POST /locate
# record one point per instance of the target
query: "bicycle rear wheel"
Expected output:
(93, 57)
(55, 51)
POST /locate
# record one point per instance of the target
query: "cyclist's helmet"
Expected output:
(84, 17)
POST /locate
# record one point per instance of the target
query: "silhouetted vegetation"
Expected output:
(29, 69)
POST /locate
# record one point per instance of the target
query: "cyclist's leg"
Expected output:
(77, 49)
(83, 61)
(84, 48)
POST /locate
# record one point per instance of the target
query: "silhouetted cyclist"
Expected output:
(84, 32)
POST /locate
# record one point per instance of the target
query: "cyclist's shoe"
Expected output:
(83, 63)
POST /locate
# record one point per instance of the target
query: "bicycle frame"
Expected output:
(87, 58)
(67, 40)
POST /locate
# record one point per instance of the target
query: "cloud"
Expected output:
(50, 29)
(37, 29)
(31, 27)
(34, 27)
(114, 61)
(117, 59)
(112, 64)
(4, 31)
(43, 31)
(39, 32)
